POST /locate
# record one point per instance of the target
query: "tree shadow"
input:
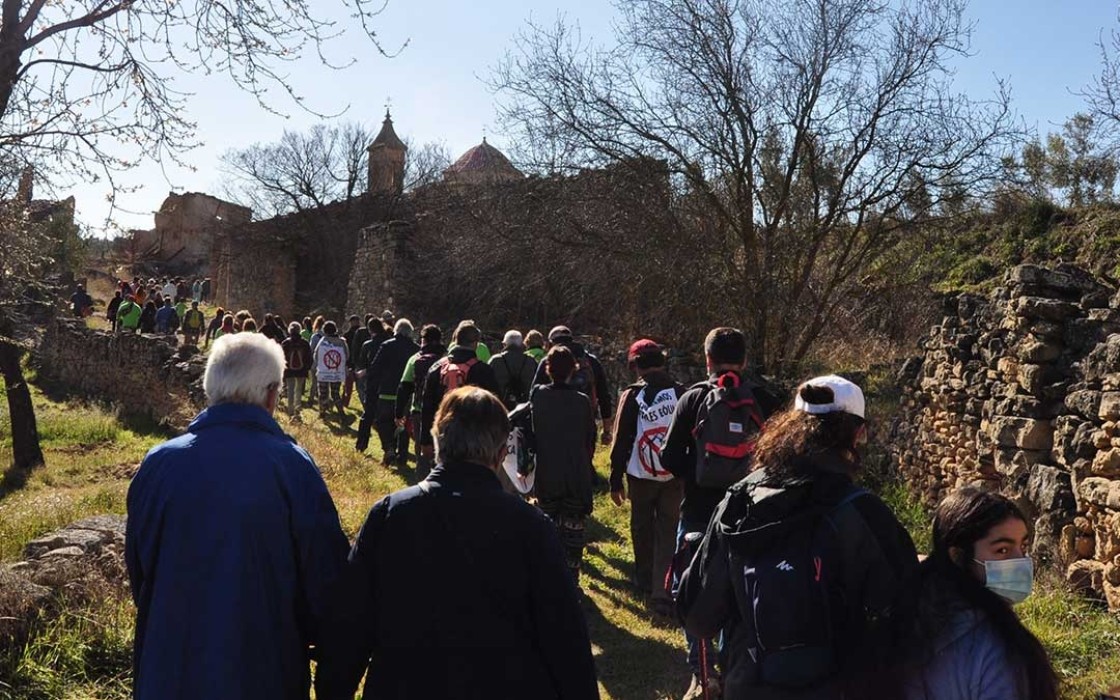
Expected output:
(630, 666)
(13, 480)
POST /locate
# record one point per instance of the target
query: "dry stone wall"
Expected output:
(1020, 391)
(146, 375)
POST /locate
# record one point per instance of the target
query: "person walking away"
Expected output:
(215, 325)
(357, 347)
(81, 303)
(741, 408)
(297, 365)
(148, 317)
(461, 367)
(410, 394)
(226, 327)
(205, 290)
(645, 410)
(564, 434)
(128, 315)
(588, 378)
(167, 320)
(196, 290)
(316, 337)
(181, 308)
(330, 368)
(383, 377)
(514, 370)
(169, 290)
(799, 565)
(510, 625)
(376, 334)
(348, 388)
(481, 352)
(111, 310)
(233, 545)
(306, 332)
(193, 322)
(954, 632)
(534, 345)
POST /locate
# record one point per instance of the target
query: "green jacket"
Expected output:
(129, 314)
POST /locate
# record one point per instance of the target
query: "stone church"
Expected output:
(389, 248)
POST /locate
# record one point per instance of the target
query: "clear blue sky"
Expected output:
(1042, 48)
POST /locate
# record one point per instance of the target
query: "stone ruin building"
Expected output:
(1020, 391)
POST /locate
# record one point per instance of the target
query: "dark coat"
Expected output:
(387, 366)
(480, 375)
(232, 546)
(872, 553)
(514, 371)
(564, 434)
(457, 591)
(604, 402)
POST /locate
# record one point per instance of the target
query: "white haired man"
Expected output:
(232, 543)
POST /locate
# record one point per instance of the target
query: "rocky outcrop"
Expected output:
(145, 375)
(83, 561)
(1020, 391)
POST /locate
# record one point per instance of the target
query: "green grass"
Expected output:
(84, 653)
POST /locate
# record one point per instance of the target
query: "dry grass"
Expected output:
(91, 455)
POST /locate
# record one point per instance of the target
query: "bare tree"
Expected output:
(83, 81)
(812, 136)
(307, 170)
(424, 165)
(36, 244)
(303, 170)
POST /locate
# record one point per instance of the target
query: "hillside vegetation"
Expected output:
(85, 651)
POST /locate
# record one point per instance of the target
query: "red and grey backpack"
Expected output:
(454, 374)
(728, 426)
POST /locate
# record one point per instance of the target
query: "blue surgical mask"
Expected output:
(1010, 579)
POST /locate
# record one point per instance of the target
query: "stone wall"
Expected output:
(1020, 391)
(149, 376)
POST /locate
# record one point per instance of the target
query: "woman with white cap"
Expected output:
(798, 563)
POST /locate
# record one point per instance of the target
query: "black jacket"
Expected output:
(871, 556)
(428, 356)
(385, 370)
(626, 420)
(564, 437)
(514, 370)
(603, 399)
(678, 452)
(369, 348)
(460, 591)
(479, 375)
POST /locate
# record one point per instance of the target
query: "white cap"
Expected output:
(512, 338)
(846, 397)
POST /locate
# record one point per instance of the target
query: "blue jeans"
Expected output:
(683, 528)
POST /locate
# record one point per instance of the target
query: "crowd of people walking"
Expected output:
(747, 524)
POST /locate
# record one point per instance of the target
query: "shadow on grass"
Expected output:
(138, 423)
(14, 479)
(630, 666)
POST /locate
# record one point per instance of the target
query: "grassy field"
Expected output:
(84, 653)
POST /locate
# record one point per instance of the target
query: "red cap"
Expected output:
(641, 347)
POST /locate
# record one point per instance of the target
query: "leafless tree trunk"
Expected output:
(25, 434)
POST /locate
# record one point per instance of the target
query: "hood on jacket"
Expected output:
(758, 510)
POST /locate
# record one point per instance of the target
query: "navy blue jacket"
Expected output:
(460, 591)
(232, 545)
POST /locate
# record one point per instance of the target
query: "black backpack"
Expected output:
(789, 599)
(728, 425)
(516, 391)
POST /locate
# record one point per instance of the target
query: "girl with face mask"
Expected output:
(956, 635)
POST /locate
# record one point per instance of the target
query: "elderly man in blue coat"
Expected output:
(232, 545)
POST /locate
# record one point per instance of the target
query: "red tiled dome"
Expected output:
(484, 158)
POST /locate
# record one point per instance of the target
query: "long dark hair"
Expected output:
(943, 584)
(794, 440)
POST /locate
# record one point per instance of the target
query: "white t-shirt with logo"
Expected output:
(330, 359)
(653, 427)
